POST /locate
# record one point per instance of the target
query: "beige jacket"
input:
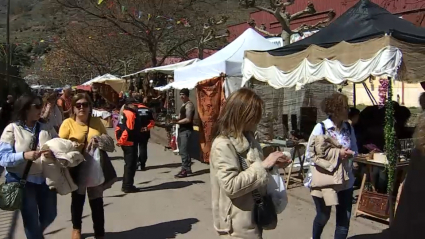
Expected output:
(329, 173)
(56, 170)
(232, 201)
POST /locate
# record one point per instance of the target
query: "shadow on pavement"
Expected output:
(200, 172)
(8, 223)
(383, 235)
(116, 158)
(162, 230)
(171, 165)
(170, 185)
(55, 231)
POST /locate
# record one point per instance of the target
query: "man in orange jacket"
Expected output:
(127, 131)
(147, 123)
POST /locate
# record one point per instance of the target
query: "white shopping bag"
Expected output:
(277, 190)
(93, 170)
(307, 179)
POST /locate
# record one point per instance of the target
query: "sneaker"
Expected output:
(183, 174)
(131, 189)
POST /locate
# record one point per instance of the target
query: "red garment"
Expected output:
(210, 98)
(68, 103)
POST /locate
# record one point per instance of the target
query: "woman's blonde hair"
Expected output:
(243, 107)
(78, 97)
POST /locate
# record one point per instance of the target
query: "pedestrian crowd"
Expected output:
(240, 173)
(31, 122)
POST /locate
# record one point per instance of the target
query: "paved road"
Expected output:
(170, 208)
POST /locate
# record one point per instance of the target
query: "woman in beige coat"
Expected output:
(232, 200)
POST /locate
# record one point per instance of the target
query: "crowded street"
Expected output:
(218, 119)
(176, 208)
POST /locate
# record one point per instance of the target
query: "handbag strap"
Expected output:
(34, 144)
(255, 193)
(86, 136)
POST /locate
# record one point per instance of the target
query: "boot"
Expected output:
(98, 217)
(76, 234)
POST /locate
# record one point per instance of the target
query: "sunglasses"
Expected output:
(37, 106)
(82, 105)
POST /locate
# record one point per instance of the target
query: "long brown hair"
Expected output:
(243, 107)
(78, 97)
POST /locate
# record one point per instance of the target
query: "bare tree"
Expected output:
(147, 21)
(210, 33)
(85, 52)
(278, 9)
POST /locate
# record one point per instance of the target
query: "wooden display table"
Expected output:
(372, 203)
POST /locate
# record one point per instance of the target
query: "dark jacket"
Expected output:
(146, 120)
(128, 128)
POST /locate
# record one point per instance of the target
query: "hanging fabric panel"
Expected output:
(210, 98)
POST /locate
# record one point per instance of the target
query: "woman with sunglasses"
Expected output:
(84, 129)
(16, 151)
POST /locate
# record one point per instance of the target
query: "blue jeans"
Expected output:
(343, 215)
(39, 209)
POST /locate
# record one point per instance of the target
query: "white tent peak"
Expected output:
(228, 60)
(102, 79)
(167, 69)
(115, 82)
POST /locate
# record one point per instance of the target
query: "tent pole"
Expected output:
(402, 93)
(354, 95)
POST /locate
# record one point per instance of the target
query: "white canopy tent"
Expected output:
(168, 69)
(228, 60)
(386, 62)
(116, 83)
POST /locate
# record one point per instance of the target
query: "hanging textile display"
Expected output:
(210, 98)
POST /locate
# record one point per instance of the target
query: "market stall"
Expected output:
(215, 78)
(366, 41)
(105, 91)
(165, 103)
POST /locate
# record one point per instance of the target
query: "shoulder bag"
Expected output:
(264, 212)
(11, 194)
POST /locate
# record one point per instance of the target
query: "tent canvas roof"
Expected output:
(116, 83)
(167, 69)
(364, 21)
(356, 36)
(228, 60)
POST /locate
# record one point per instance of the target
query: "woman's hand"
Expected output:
(345, 153)
(32, 155)
(271, 160)
(284, 161)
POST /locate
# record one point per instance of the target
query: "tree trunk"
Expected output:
(286, 37)
(152, 51)
(200, 52)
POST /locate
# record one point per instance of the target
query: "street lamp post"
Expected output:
(8, 53)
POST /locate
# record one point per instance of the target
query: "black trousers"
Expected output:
(130, 166)
(98, 214)
(143, 151)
